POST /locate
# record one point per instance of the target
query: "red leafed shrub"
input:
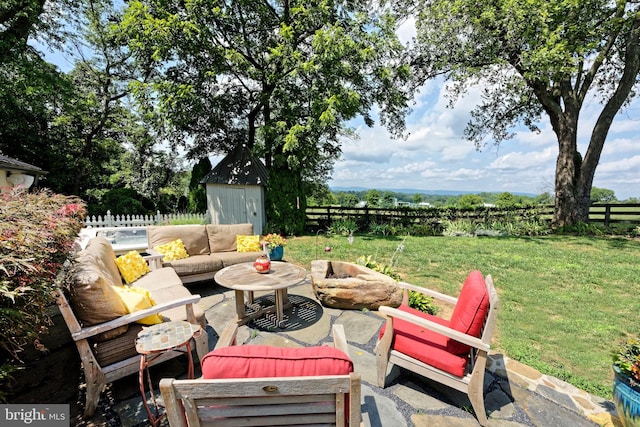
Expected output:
(37, 233)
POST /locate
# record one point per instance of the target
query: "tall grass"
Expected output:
(565, 300)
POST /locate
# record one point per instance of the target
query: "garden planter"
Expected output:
(276, 253)
(349, 286)
(627, 399)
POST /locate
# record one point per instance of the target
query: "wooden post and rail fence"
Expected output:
(607, 214)
(322, 216)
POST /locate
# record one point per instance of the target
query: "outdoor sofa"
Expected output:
(209, 247)
(104, 327)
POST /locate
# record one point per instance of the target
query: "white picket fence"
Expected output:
(110, 220)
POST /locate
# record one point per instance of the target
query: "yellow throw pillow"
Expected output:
(136, 299)
(248, 243)
(132, 266)
(172, 251)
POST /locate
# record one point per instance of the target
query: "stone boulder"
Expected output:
(346, 285)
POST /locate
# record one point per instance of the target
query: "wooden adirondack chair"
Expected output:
(275, 400)
(452, 352)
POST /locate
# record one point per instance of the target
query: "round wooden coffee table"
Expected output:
(244, 278)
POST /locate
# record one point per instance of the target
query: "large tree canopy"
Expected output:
(18, 19)
(279, 76)
(30, 88)
(536, 57)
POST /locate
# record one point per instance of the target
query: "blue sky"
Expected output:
(437, 157)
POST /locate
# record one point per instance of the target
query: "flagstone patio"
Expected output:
(516, 395)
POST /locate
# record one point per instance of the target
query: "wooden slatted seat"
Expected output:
(267, 401)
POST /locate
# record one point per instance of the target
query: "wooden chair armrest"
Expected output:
(228, 336)
(153, 252)
(429, 292)
(435, 327)
(340, 339)
(93, 330)
(154, 259)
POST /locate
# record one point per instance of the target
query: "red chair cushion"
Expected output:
(425, 345)
(259, 361)
(470, 311)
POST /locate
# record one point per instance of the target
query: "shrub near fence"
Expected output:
(323, 216)
(320, 217)
(110, 220)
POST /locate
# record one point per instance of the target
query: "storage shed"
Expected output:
(236, 190)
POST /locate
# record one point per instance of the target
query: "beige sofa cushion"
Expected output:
(102, 251)
(193, 236)
(198, 264)
(164, 285)
(222, 237)
(231, 258)
(92, 298)
(158, 279)
(177, 313)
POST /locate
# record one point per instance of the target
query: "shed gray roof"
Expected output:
(238, 167)
(9, 163)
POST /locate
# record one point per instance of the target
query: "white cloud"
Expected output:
(518, 161)
(611, 174)
(620, 145)
(631, 164)
(545, 138)
(465, 175)
(623, 123)
(436, 156)
(407, 30)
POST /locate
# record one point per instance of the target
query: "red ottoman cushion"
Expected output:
(258, 361)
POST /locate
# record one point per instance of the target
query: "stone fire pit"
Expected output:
(346, 285)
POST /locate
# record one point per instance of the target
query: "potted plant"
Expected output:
(626, 382)
(274, 244)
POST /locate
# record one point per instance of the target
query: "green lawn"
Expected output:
(564, 300)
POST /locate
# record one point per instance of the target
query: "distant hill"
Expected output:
(432, 192)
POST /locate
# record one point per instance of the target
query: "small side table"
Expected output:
(151, 343)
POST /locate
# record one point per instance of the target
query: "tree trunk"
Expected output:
(568, 209)
(570, 206)
(573, 184)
